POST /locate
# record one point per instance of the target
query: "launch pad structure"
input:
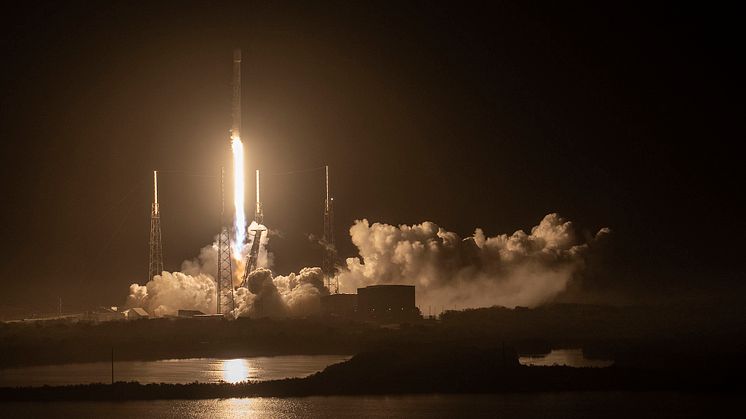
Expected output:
(256, 233)
(330, 251)
(224, 280)
(252, 259)
(155, 264)
(225, 299)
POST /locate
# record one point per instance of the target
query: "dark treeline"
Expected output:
(636, 336)
(412, 370)
(632, 336)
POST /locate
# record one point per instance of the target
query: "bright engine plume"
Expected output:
(238, 195)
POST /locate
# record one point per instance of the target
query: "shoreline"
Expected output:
(363, 375)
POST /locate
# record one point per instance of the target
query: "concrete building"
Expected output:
(387, 303)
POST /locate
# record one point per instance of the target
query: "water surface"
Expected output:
(564, 357)
(607, 405)
(204, 370)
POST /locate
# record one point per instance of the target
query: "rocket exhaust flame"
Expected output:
(238, 196)
(238, 160)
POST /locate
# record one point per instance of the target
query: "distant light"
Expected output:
(235, 370)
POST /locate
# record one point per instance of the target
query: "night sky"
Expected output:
(469, 116)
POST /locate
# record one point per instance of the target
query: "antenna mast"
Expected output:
(258, 214)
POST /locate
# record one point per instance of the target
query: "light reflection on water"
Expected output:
(235, 370)
(608, 405)
(565, 357)
(205, 370)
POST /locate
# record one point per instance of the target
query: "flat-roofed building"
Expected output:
(387, 303)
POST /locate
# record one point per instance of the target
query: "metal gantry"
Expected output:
(328, 265)
(155, 265)
(224, 280)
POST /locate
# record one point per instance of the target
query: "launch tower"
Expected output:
(330, 251)
(225, 261)
(224, 281)
(156, 241)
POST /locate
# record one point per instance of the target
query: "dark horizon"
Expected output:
(470, 117)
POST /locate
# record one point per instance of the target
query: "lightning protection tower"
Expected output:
(330, 251)
(224, 281)
(258, 213)
(155, 267)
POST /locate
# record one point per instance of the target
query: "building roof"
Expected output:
(387, 286)
(188, 313)
(140, 311)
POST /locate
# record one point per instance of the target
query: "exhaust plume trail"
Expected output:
(238, 160)
(238, 196)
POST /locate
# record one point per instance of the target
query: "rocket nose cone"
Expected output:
(237, 54)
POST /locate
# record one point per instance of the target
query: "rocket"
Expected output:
(236, 105)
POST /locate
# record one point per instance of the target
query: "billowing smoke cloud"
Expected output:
(169, 292)
(206, 263)
(293, 295)
(448, 271)
(508, 270)
(262, 296)
(321, 242)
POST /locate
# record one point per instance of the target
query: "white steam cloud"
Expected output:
(510, 270)
(262, 296)
(165, 294)
(294, 295)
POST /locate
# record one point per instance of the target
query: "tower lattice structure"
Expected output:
(155, 265)
(328, 264)
(224, 280)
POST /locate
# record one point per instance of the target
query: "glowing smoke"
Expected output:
(263, 296)
(293, 295)
(238, 195)
(165, 294)
(508, 270)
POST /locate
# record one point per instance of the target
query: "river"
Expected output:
(204, 370)
(608, 405)
(564, 357)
